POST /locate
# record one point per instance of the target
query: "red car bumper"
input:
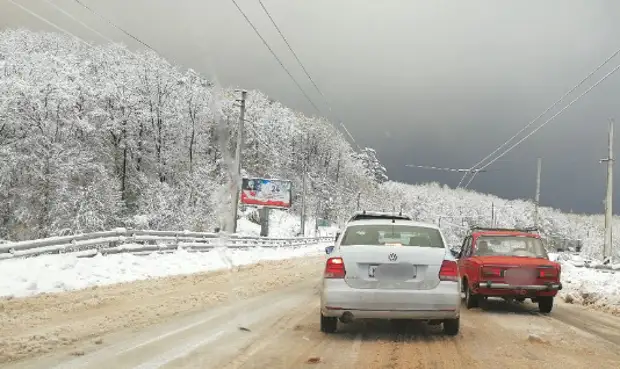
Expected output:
(505, 289)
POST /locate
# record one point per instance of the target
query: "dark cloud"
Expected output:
(438, 83)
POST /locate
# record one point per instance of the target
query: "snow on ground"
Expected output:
(58, 273)
(589, 286)
(282, 224)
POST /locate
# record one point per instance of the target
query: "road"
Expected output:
(278, 328)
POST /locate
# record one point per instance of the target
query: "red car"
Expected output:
(507, 263)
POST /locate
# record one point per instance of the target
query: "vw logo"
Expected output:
(392, 257)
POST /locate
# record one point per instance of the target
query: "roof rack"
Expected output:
(527, 229)
(360, 215)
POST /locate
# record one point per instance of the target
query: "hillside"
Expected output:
(94, 139)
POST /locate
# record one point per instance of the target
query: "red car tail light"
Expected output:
(449, 271)
(334, 268)
(549, 273)
(491, 271)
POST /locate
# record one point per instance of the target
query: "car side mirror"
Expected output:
(337, 235)
(329, 249)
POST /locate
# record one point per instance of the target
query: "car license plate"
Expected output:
(393, 271)
(519, 277)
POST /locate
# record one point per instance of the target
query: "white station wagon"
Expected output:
(386, 268)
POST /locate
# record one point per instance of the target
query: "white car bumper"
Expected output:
(442, 302)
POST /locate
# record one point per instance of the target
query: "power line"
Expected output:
(60, 9)
(284, 67)
(117, 27)
(40, 17)
(276, 57)
(459, 170)
(306, 71)
(471, 179)
(140, 41)
(546, 111)
(89, 28)
(553, 117)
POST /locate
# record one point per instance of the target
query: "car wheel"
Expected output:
(451, 326)
(545, 304)
(328, 324)
(471, 300)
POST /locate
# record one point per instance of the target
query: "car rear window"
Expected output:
(510, 246)
(391, 235)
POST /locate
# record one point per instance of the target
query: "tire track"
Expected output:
(247, 355)
(516, 336)
(415, 345)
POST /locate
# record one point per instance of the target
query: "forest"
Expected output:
(102, 137)
(94, 138)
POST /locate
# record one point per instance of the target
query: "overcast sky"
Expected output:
(426, 82)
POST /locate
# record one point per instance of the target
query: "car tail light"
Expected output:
(334, 268)
(491, 271)
(449, 271)
(549, 273)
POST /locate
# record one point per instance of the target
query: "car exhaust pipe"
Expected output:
(347, 317)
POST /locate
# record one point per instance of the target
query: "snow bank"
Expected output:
(58, 273)
(589, 286)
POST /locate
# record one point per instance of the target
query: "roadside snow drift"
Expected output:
(58, 273)
(586, 286)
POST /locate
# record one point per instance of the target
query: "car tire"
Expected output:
(328, 324)
(471, 300)
(451, 326)
(545, 304)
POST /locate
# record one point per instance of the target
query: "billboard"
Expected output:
(272, 193)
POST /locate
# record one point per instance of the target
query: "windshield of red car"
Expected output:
(510, 246)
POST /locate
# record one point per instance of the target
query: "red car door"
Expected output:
(464, 263)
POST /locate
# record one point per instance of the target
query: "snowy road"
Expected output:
(283, 332)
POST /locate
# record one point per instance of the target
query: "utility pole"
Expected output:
(238, 155)
(316, 218)
(303, 202)
(537, 198)
(607, 246)
(263, 214)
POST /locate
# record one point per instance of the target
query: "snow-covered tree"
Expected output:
(372, 166)
(96, 138)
